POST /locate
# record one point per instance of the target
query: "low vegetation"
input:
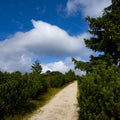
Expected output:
(20, 93)
(99, 97)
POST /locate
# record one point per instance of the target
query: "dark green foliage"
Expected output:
(55, 79)
(106, 32)
(93, 65)
(36, 67)
(99, 89)
(17, 90)
(99, 97)
(35, 84)
(70, 76)
(14, 95)
(3, 77)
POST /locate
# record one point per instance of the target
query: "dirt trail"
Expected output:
(62, 107)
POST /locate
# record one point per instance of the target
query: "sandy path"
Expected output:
(62, 107)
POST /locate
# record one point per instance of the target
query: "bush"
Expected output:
(99, 97)
(14, 96)
(55, 79)
(17, 90)
(70, 76)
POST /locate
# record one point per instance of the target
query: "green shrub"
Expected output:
(14, 96)
(99, 95)
(17, 90)
(70, 76)
(55, 79)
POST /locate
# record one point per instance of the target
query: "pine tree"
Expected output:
(36, 67)
(106, 33)
(98, 90)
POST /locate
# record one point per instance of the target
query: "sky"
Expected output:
(51, 31)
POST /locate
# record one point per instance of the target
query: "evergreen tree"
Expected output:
(36, 67)
(98, 90)
(106, 33)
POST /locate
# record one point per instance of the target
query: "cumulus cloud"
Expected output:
(93, 8)
(62, 66)
(18, 51)
(56, 66)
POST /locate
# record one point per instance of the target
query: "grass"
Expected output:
(36, 103)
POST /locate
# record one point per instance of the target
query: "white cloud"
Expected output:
(20, 62)
(93, 8)
(56, 66)
(62, 66)
(17, 52)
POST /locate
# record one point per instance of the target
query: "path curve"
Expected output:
(62, 107)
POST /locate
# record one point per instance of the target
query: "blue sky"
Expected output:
(49, 30)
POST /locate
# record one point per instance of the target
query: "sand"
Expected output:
(62, 107)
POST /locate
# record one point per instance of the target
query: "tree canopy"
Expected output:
(105, 32)
(99, 89)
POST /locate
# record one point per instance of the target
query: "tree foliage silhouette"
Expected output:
(36, 67)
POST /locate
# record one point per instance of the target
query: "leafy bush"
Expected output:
(70, 76)
(14, 96)
(17, 90)
(55, 79)
(99, 97)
